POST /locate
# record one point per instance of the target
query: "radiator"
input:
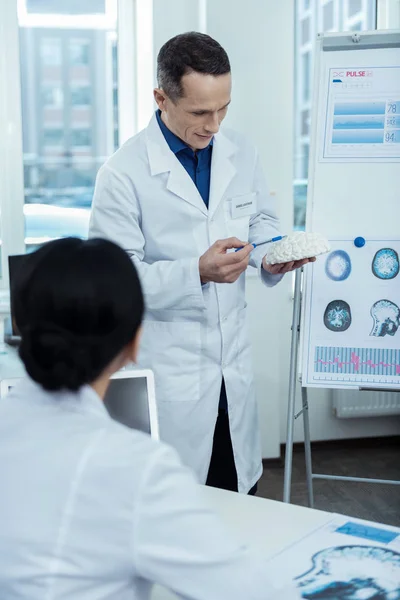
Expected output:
(349, 404)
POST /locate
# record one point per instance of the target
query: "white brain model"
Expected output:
(296, 246)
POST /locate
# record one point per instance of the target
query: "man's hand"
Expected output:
(281, 268)
(218, 266)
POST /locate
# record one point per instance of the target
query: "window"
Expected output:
(306, 72)
(305, 122)
(115, 98)
(52, 95)
(354, 7)
(81, 137)
(304, 163)
(81, 96)
(328, 15)
(114, 54)
(305, 30)
(79, 52)
(63, 149)
(46, 190)
(300, 202)
(53, 137)
(50, 52)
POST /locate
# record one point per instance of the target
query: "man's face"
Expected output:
(197, 115)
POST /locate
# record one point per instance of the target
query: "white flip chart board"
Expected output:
(350, 334)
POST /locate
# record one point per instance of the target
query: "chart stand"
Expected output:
(292, 415)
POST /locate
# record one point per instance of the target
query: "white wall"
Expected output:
(258, 36)
(172, 17)
(325, 426)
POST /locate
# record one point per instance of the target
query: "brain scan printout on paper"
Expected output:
(351, 327)
(347, 559)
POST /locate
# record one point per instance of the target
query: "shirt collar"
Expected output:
(174, 142)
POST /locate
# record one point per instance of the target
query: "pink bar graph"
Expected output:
(363, 361)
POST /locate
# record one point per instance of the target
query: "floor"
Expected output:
(375, 502)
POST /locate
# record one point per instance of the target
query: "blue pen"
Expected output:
(274, 239)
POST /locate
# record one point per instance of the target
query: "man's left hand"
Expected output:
(281, 268)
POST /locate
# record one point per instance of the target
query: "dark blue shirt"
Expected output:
(197, 164)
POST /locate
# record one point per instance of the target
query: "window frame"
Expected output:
(11, 155)
(388, 14)
(13, 15)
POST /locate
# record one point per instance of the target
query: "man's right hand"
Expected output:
(221, 267)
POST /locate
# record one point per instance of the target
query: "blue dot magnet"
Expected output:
(359, 242)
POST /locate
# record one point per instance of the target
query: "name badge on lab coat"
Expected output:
(244, 206)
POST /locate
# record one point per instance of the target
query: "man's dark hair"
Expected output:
(185, 53)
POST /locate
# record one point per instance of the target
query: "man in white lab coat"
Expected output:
(179, 196)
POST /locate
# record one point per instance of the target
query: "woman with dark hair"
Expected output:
(90, 509)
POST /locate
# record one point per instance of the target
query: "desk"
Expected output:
(265, 525)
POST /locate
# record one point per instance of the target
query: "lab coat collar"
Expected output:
(163, 160)
(84, 400)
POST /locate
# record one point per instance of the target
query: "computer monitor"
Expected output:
(11, 336)
(15, 262)
(130, 399)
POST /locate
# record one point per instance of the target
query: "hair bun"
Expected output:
(55, 357)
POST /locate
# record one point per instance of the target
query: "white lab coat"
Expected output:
(193, 335)
(92, 510)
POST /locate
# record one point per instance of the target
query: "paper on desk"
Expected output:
(345, 559)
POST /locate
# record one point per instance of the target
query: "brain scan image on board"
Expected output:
(337, 316)
(386, 317)
(350, 313)
(385, 264)
(352, 573)
(338, 265)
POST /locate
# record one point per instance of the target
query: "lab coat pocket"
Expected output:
(172, 350)
(238, 210)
